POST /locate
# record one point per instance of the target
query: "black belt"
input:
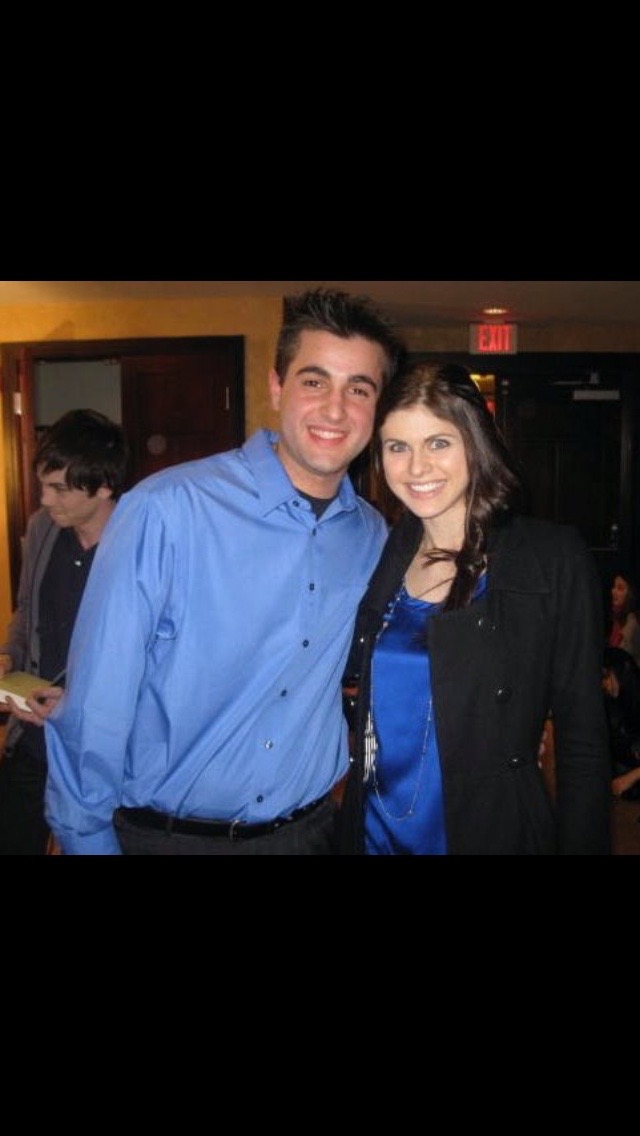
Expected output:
(193, 826)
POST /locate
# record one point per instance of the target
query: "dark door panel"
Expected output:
(570, 451)
(177, 408)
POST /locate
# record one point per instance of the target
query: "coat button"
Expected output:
(483, 623)
(514, 762)
(503, 693)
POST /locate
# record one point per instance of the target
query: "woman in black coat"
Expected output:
(478, 625)
(621, 683)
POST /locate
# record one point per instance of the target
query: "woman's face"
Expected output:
(619, 593)
(425, 464)
(610, 683)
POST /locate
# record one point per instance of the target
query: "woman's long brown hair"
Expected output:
(495, 485)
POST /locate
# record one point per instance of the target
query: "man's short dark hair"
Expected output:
(91, 448)
(341, 314)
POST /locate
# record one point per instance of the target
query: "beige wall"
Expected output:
(255, 318)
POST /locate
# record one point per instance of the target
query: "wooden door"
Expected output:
(179, 407)
(569, 444)
(19, 443)
(567, 435)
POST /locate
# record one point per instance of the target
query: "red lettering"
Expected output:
(495, 338)
(484, 337)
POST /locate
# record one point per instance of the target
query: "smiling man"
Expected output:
(80, 464)
(205, 718)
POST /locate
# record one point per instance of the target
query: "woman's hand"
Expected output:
(620, 784)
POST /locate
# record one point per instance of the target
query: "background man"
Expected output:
(81, 466)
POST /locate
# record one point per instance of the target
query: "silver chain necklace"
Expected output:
(371, 741)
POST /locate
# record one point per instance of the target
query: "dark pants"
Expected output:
(23, 777)
(309, 835)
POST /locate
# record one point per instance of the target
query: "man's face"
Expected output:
(69, 508)
(326, 403)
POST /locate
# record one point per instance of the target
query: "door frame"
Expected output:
(17, 362)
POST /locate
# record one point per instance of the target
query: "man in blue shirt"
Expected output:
(203, 708)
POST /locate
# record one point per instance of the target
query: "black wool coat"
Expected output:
(531, 647)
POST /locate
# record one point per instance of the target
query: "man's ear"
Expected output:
(104, 492)
(275, 389)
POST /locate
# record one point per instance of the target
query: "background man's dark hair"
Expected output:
(91, 448)
(341, 314)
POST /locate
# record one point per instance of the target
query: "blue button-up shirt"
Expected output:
(204, 672)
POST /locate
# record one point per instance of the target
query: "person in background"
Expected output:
(624, 631)
(205, 717)
(621, 685)
(478, 624)
(81, 465)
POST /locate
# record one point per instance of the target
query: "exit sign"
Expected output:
(493, 338)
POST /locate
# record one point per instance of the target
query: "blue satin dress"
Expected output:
(404, 813)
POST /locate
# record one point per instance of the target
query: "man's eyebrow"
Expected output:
(53, 484)
(364, 379)
(313, 369)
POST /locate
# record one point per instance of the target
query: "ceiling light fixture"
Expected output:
(494, 311)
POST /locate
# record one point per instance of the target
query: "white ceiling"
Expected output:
(412, 303)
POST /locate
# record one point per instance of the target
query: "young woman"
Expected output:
(621, 684)
(478, 625)
(624, 631)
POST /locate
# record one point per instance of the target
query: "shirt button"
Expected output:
(312, 587)
(283, 693)
(268, 745)
(260, 799)
(305, 642)
(514, 762)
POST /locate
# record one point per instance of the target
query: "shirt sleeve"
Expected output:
(17, 645)
(88, 732)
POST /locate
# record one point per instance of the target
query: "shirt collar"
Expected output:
(273, 483)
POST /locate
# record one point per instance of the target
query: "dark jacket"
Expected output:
(23, 638)
(529, 648)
